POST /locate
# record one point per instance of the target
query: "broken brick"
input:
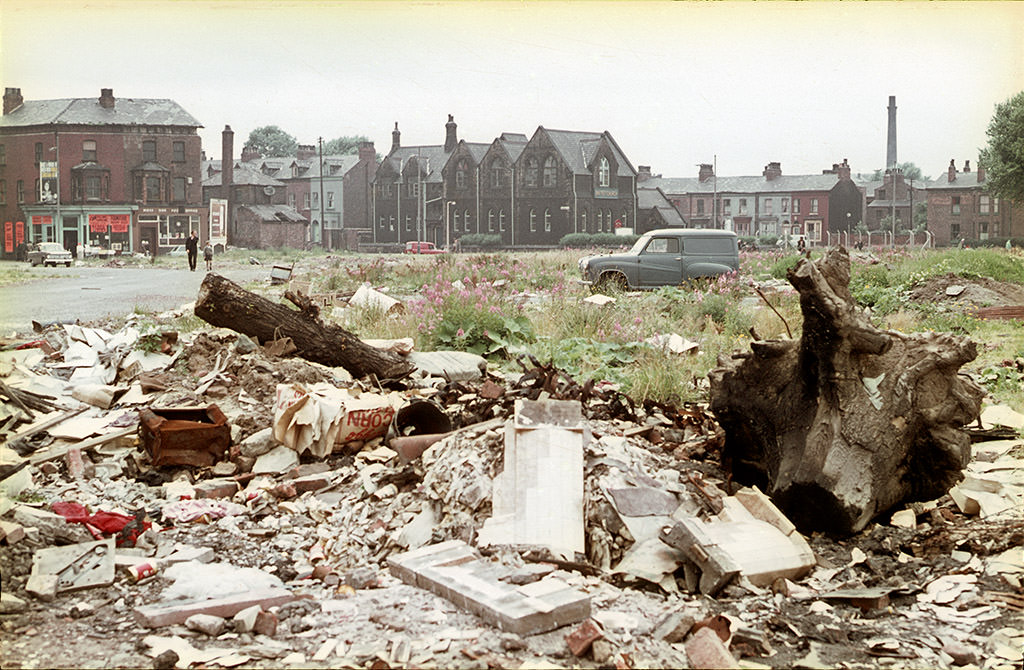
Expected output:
(216, 488)
(313, 482)
(11, 532)
(265, 624)
(76, 464)
(706, 651)
(579, 640)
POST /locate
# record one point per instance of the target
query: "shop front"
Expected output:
(164, 228)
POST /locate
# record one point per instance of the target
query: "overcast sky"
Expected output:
(806, 84)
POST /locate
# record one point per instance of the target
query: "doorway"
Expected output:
(71, 242)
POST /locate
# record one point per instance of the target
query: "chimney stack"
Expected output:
(107, 98)
(967, 166)
(396, 138)
(707, 171)
(305, 152)
(981, 172)
(890, 146)
(227, 175)
(643, 173)
(450, 138)
(12, 99)
(951, 174)
(367, 152)
(250, 153)
(772, 171)
(843, 170)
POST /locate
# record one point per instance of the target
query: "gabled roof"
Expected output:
(432, 154)
(87, 111)
(654, 198)
(275, 213)
(963, 180)
(578, 149)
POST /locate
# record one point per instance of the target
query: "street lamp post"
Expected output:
(447, 224)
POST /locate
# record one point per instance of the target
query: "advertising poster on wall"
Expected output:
(48, 182)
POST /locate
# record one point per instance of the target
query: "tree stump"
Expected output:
(223, 303)
(849, 420)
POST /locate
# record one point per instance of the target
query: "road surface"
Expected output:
(87, 293)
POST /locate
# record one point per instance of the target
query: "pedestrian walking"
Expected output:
(208, 256)
(192, 247)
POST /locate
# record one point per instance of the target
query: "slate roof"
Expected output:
(245, 176)
(275, 213)
(434, 153)
(964, 180)
(758, 184)
(578, 148)
(654, 198)
(87, 111)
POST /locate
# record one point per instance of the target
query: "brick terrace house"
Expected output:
(531, 192)
(959, 208)
(772, 204)
(103, 171)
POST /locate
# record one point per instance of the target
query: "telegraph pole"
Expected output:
(324, 236)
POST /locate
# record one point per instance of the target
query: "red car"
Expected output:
(422, 248)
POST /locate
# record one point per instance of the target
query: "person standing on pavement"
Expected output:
(208, 256)
(192, 247)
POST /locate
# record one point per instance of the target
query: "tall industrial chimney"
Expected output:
(227, 178)
(890, 145)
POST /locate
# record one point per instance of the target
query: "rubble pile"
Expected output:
(173, 500)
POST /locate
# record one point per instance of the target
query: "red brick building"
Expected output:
(960, 209)
(104, 172)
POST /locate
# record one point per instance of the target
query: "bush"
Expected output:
(480, 241)
(586, 240)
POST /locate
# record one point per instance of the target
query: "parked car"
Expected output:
(665, 257)
(49, 253)
(422, 248)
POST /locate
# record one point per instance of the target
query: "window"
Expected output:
(814, 205)
(743, 205)
(533, 220)
(501, 220)
(330, 200)
(21, 191)
(179, 152)
(796, 206)
(600, 221)
(455, 220)
(391, 224)
(550, 174)
(39, 152)
(547, 220)
(608, 219)
(954, 231)
(881, 194)
(3, 154)
(89, 151)
(467, 221)
(179, 189)
(983, 232)
(382, 223)
(414, 189)
(408, 223)
(663, 245)
(305, 201)
(490, 220)
(531, 172)
(93, 186)
(995, 205)
(316, 199)
(727, 205)
(3, 191)
(955, 205)
(768, 206)
(983, 204)
(603, 173)
(583, 220)
(149, 151)
(460, 175)
(152, 189)
(700, 205)
(785, 205)
(625, 220)
(498, 170)
(291, 200)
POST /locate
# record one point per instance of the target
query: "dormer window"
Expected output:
(603, 173)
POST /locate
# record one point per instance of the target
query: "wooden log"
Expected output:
(223, 303)
(849, 420)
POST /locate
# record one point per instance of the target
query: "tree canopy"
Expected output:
(346, 144)
(1003, 158)
(272, 141)
(910, 171)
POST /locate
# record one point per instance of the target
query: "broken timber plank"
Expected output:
(170, 613)
(455, 571)
(57, 452)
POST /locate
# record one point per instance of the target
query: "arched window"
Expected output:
(603, 173)
(583, 220)
(547, 220)
(501, 220)
(467, 220)
(460, 175)
(625, 219)
(533, 220)
(600, 221)
(490, 220)
(455, 221)
(531, 171)
(550, 173)
(408, 222)
(391, 223)
(498, 171)
(608, 220)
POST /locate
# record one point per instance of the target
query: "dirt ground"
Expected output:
(951, 583)
(980, 292)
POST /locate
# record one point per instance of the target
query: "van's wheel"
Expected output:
(68, 264)
(611, 282)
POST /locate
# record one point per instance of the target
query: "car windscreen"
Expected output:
(709, 245)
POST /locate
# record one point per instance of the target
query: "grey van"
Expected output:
(665, 257)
